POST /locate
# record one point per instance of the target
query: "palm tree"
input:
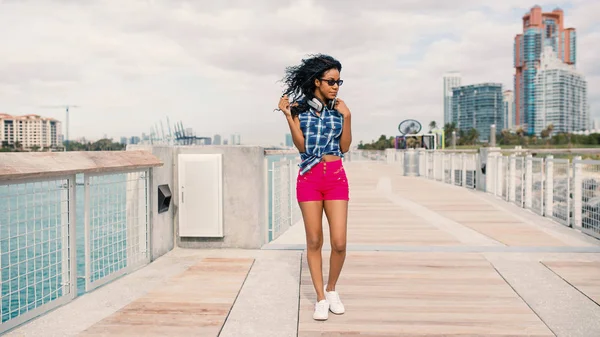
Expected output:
(550, 128)
(432, 125)
(472, 136)
(448, 128)
(521, 133)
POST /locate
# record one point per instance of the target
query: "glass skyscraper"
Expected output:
(560, 96)
(451, 80)
(540, 30)
(509, 110)
(478, 106)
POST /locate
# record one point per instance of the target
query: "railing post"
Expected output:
(433, 164)
(87, 232)
(528, 180)
(512, 177)
(400, 159)
(490, 173)
(499, 175)
(577, 192)
(426, 164)
(272, 229)
(549, 190)
(443, 167)
(464, 170)
(72, 237)
(452, 168)
(266, 197)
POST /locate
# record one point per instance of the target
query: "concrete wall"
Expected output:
(162, 236)
(244, 198)
(244, 184)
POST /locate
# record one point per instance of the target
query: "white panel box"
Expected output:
(200, 195)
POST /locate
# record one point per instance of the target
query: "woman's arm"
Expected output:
(346, 138)
(297, 135)
(293, 123)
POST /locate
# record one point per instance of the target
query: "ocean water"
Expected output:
(33, 240)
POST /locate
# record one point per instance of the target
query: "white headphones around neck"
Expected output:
(316, 104)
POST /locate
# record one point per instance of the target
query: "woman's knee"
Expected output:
(338, 246)
(314, 242)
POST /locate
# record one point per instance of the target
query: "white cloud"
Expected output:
(215, 64)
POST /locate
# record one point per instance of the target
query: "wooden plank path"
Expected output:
(421, 294)
(194, 303)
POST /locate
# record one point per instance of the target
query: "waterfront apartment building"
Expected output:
(452, 80)
(508, 100)
(30, 131)
(540, 30)
(478, 106)
(560, 96)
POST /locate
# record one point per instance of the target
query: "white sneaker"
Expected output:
(321, 310)
(335, 304)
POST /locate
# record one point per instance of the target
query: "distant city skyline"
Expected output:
(547, 89)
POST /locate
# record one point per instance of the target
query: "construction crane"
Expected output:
(66, 107)
(170, 133)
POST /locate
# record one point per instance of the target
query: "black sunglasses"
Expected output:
(333, 82)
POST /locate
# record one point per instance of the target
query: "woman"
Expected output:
(320, 127)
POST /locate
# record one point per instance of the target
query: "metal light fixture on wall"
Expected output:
(164, 198)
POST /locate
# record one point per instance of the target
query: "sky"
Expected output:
(216, 66)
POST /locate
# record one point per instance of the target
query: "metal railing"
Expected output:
(558, 202)
(567, 191)
(37, 245)
(116, 225)
(63, 235)
(586, 194)
(283, 209)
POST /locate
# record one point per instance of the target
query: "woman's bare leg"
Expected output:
(337, 215)
(312, 213)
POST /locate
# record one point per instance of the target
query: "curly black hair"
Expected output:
(300, 79)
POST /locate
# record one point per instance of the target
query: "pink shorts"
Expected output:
(325, 181)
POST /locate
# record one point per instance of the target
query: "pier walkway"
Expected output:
(424, 259)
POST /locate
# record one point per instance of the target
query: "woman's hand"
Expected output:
(284, 105)
(342, 108)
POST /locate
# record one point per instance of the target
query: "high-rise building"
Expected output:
(289, 141)
(540, 30)
(235, 139)
(560, 96)
(508, 98)
(452, 79)
(217, 140)
(134, 140)
(30, 131)
(478, 106)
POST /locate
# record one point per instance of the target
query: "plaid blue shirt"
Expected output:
(321, 136)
